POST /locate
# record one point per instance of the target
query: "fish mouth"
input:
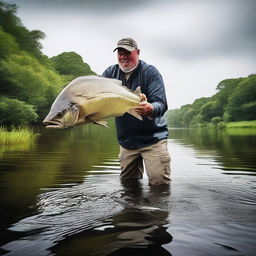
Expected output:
(54, 125)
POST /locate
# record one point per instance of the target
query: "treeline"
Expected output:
(29, 80)
(235, 100)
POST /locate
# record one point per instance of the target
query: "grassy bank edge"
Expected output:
(221, 125)
(241, 124)
(16, 135)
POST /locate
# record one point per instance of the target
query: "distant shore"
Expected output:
(223, 125)
(242, 124)
(16, 135)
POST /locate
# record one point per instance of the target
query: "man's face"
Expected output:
(127, 60)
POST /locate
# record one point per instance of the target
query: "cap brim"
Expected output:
(126, 47)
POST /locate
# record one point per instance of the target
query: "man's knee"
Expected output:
(159, 179)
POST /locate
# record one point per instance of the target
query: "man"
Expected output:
(141, 140)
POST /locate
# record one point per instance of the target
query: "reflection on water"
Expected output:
(26, 145)
(89, 214)
(234, 149)
(135, 225)
(63, 197)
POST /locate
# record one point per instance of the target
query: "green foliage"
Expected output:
(70, 63)
(241, 105)
(173, 118)
(234, 101)
(8, 44)
(221, 125)
(242, 124)
(209, 110)
(16, 136)
(188, 116)
(11, 24)
(15, 112)
(29, 80)
(215, 120)
(198, 103)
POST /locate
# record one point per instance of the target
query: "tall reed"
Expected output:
(15, 135)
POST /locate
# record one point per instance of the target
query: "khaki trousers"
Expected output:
(157, 163)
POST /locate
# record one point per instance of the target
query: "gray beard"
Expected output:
(127, 71)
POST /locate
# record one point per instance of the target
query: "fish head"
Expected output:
(62, 116)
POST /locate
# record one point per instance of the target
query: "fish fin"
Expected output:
(142, 96)
(134, 113)
(138, 91)
(102, 123)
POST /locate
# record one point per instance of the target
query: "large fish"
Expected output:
(89, 99)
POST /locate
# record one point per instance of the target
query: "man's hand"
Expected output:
(144, 109)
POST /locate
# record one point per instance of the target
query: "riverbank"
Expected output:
(16, 135)
(242, 124)
(222, 125)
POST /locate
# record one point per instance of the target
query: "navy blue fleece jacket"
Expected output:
(131, 132)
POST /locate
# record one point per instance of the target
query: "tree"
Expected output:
(225, 89)
(30, 80)
(234, 101)
(10, 23)
(26, 79)
(198, 103)
(209, 110)
(188, 116)
(241, 104)
(174, 117)
(71, 63)
(8, 44)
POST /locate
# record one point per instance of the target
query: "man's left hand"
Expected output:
(144, 109)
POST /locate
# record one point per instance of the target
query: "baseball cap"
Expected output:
(127, 43)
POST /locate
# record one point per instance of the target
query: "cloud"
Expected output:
(186, 29)
(196, 29)
(100, 5)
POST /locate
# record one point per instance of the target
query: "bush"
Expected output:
(15, 112)
(215, 120)
(221, 125)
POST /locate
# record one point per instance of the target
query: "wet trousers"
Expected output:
(156, 159)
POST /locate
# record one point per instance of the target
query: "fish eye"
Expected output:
(60, 114)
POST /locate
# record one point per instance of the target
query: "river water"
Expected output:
(61, 195)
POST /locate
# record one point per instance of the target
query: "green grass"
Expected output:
(16, 136)
(242, 124)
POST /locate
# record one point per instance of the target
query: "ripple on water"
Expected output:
(226, 239)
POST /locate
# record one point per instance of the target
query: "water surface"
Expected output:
(62, 195)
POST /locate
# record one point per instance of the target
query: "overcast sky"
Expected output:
(193, 43)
